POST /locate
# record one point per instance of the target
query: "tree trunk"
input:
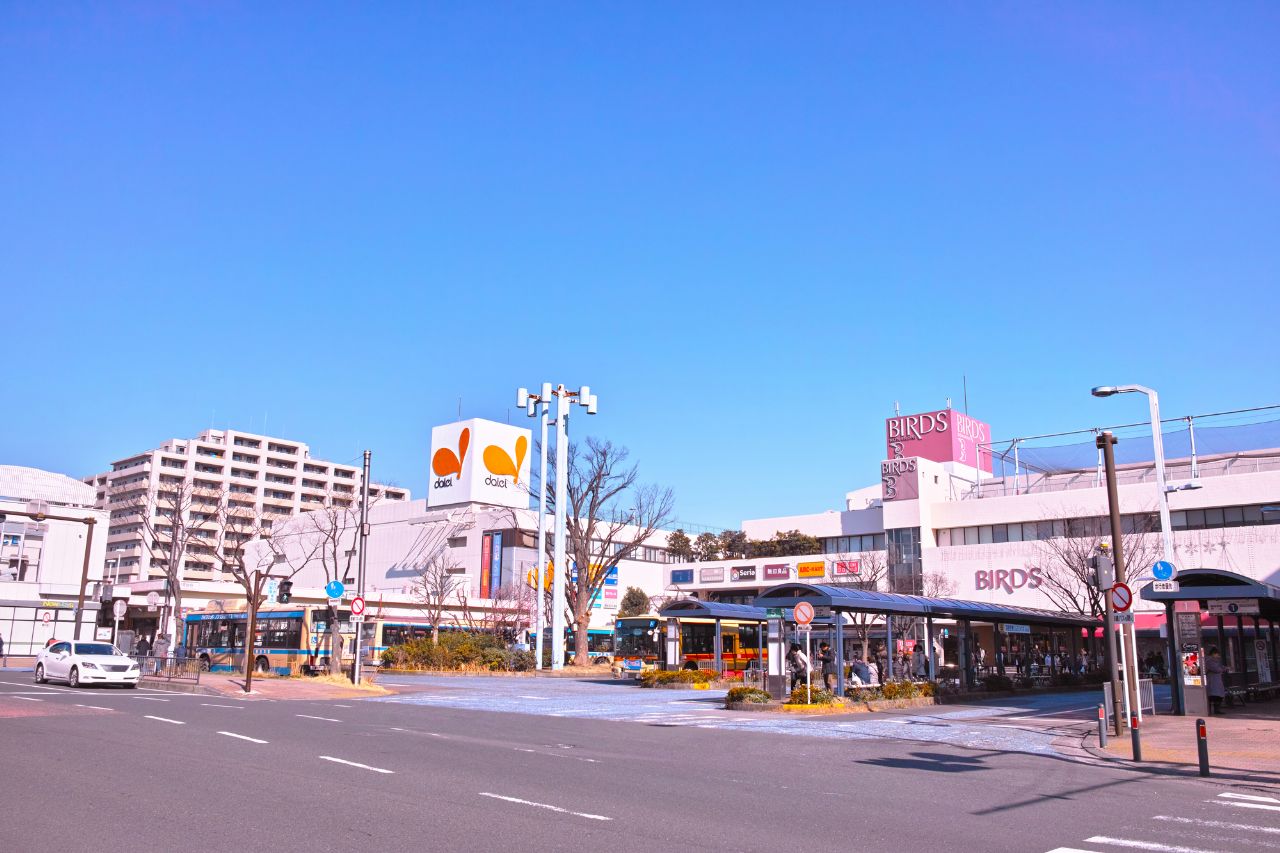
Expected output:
(335, 648)
(435, 633)
(580, 641)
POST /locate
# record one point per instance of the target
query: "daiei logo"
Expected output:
(501, 465)
(447, 465)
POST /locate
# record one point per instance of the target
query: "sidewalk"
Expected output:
(319, 688)
(1244, 745)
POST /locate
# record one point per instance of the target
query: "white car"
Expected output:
(86, 663)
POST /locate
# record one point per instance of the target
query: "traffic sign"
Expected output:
(1235, 606)
(1162, 570)
(334, 589)
(1165, 586)
(1121, 597)
(356, 617)
(773, 612)
(120, 607)
(804, 613)
(357, 607)
(1124, 617)
(153, 598)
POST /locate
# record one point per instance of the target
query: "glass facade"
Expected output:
(906, 569)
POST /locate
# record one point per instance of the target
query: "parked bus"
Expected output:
(640, 642)
(290, 640)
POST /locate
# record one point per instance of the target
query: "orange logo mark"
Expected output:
(446, 462)
(502, 465)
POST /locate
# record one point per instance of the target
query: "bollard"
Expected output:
(1202, 746)
(1102, 727)
(1135, 737)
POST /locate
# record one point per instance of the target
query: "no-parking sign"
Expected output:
(1121, 597)
(804, 613)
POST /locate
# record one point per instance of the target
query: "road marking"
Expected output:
(1219, 824)
(557, 755)
(215, 705)
(1071, 850)
(326, 719)
(28, 698)
(342, 706)
(95, 707)
(165, 720)
(355, 764)
(243, 737)
(1250, 797)
(1263, 806)
(1144, 845)
(544, 806)
(148, 699)
(38, 686)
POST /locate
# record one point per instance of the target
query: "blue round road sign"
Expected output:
(334, 589)
(1162, 571)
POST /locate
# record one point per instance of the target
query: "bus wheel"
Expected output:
(261, 664)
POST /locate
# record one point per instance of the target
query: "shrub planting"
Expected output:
(678, 676)
(747, 694)
(458, 650)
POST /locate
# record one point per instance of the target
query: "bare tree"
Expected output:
(439, 576)
(1062, 562)
(872, 572)
(505, 613)
(171, 521)
(610, 517)
(237, 522)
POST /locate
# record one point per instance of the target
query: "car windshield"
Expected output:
(95, 649)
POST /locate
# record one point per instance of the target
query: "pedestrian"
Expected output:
(919, 665)
(4, 659)
(860, 672)
(797, 664)
(827, 658)
(161, 651)
(1214, 670)
(143, 648)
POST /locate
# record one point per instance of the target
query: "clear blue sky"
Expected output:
(751, 228)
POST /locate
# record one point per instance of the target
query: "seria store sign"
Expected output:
(742, 573)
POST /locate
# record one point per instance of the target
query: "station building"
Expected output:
(957, 514)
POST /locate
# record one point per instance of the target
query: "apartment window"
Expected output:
(395, 496)
(279, 495)
(236, 488)
(315, 469)
(276, 478)
(339, 472)
(245, 457)
(312, 484)
(208, 451)
(208, 469)
(173, 463)
(246, 442)
(281, 448)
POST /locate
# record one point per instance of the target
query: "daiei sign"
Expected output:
(479, 460)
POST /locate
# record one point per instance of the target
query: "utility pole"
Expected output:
(1106, 441)
(560, 569)
(540, 589)
(360, 565)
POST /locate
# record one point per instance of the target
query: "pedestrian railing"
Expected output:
(154, 668)
(1146, 697)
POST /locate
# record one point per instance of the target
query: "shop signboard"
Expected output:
(1262, 655)
(480, 461)
(813, 569)
(1234, 606)
(682, 575)
(777, 572)
(847, 567)
(742, 573)
(899, 479)
(941, 436)
(715, 575)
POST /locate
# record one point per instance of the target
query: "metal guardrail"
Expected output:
(1146, 697)
(186, 670)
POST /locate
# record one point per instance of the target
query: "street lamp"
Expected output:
(529, 402)
(1157, 441)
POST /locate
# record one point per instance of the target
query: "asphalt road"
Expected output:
(116, 770)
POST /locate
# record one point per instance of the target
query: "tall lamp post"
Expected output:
(564, 401)
(532, 403)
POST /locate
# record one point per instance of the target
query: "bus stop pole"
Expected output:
(933, 656)
(888, 645)
(838, 616)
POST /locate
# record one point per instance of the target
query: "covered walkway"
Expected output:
(1006, 620)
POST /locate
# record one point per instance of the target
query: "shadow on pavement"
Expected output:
(936, 762)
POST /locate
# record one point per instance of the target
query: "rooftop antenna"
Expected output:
(948, 402)
(965, 379)
(897, 409)
(459, 408)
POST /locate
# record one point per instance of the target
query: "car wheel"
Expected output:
(40, 679)
(131, 686)
(73, 679)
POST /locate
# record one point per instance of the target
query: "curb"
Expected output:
(1240, 779)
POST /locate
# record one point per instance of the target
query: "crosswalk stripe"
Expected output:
(1240, 805)
(1144, 845)
(1219, 824)
(1071, 850)
(1231, 796)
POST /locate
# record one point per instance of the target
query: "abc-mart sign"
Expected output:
(480, 461)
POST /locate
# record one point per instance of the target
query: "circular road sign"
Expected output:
(357, 606)
(153, 598)
(46, 617)
(1162, 571)
(334, 589)
(1121, 597)
(120, 607)
(804, 613)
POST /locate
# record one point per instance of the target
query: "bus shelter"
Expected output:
(1061, 629)
(1235, 613)
(719, 614)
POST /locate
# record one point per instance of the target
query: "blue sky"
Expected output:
(750, 228)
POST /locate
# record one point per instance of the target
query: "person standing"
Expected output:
(797, 664)
(919, 666)
(4, 659)
(827, 658)
(143, 647)
(1214, 670)
(161, 652)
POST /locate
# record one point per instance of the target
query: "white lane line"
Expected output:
(95, 707)
(309, 717)
(1238, 805)
(164, 720)
(1071, 850)
(38, 686)
(1219, 824)
(1144, 845)
(342, 706)
(355, 764)
(148, 699)
(243, 737)
(557, 755)
(216, 705)
(28, 698)
(556, 809)
(1250, 797)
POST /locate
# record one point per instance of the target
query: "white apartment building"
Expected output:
(274, 477)
(41, 561)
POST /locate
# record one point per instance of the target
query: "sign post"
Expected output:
(804, 617)
(118, 608)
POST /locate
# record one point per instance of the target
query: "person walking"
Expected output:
(919, 665)
(827, 658)
(797, 664)
(161, 652)
(143, 647)
(1214, 670)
